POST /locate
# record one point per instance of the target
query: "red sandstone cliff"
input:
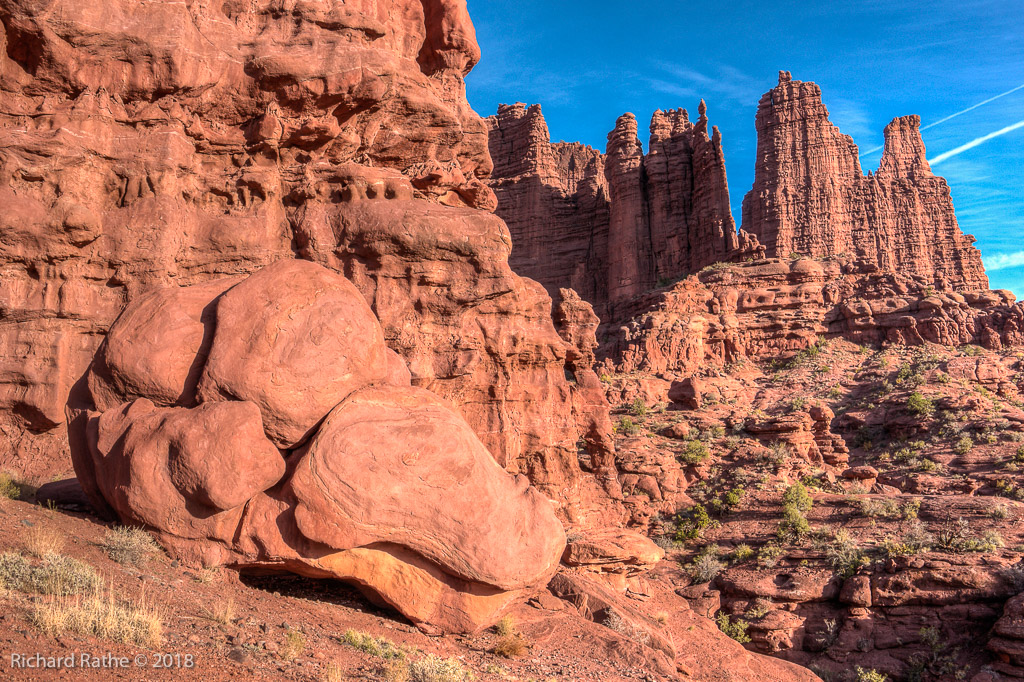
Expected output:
(154, 144)
(612, 226)
(811, 197)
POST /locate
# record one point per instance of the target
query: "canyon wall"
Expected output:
(810, 196)
(613, 225)
(147, 145)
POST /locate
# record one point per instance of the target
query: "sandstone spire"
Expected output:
(810, 195)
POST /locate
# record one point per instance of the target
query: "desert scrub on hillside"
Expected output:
(627, 427)
(964, 445)
(888, 508)
(694, 452)
(796, 502)
(9, 488)
(614, 621)
(511, 642)
(843, 553)
(956, 537)
(706, 566)
(638, 408)
(378, 647)
(919, 405)
(102, 616)
(870, 675)
(692, 523)
(41, 541)
(915, 539)
(128, 545)
(769, 555)
(56, 574)
(741, 553)
(737, 629)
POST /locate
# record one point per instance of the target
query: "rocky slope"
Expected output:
(590, 221)
(811, 197)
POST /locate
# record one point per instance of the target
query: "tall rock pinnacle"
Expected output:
(811, 197)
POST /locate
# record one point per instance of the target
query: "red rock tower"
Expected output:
(811, 197)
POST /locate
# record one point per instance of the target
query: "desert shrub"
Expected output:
(433, 668)
(638, 408)
(793, 525)
(919, 405)
(956, 536)
(511, 642)
(742, 553)
(737, 629)
(378, 647)
(797, 404)
(628, 427)
(613, 621)
(915, 539)
(9, 488)
(62, 576)
(694, 452)
(706, 566)
(769, 554)
(41, 542)
(870, 675)
(222, 612)
(692, 524)
(797, 496)
(759, 609)
(844, 554)
(294, 643)
(999, 512)
(964, 445)
(14, 571)
(101, 616)
(128, 545)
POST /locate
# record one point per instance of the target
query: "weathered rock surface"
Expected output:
(611, 226)
(776, 308)
(393, 491)
(811, 197)
(157, 144)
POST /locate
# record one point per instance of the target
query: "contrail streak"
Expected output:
(974, 143)
(959, 113)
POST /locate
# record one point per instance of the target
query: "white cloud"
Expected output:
(1004, 261)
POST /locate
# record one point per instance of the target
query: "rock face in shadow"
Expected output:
(368, 479)
(174, 144)
(611, 226)
(810, 196)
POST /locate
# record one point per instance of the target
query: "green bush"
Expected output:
(742, 553)
(628, 427)
(793, 525)
(692, 524)
(706, 567)
(964, 445)
(737, 629)
(694, 452)
(638, 408)
(769, 554)
(919, 405)
(870, 675)
(797, 496)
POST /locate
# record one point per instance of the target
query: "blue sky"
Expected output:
(588, 62)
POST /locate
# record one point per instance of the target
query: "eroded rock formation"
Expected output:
(613, 225)
(776, 308)
(178, 143)
(810, 196)
(303, 447)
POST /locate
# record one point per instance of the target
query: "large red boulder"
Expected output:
(393, 490)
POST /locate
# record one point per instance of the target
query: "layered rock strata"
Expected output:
(284, 434)
(811, 197)
(776, 308)
(155, 144)
(613, 225)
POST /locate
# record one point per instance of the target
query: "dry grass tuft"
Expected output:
(294, 643)
(511, 642)
(42, 542)
(433, 668)
(102, 616)
(9, 488)
(222, 612)
(129, 545)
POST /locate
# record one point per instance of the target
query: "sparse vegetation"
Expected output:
(627, 426)
(870, 675)
(964, 445)
(102, 616)
(511, 642)
(56, 574)
(293, 645)
(769, 554)
(129, 545)
(694, 452)
(796, 502)
(743, 552)
(691, 524)
(735, 628)
(919, 405)
(433, 668)
(41, 541)
(844, 554)
(638, 408)
(378, 647)
(706, 566)
(9, 489)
